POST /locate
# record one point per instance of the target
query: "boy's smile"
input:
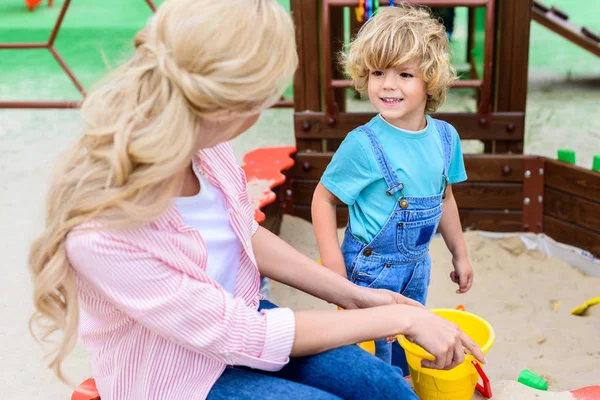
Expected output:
(400, 95)
(391, 101)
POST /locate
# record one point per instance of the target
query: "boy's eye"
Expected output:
(377, 73)
(406, 75)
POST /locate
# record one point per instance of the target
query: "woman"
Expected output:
(151, 250)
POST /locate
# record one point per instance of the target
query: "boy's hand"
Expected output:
(462, 274)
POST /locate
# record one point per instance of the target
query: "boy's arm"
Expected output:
(323, 210)
(451, 231)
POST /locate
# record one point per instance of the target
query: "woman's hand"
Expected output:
(442, 339)
(363, 297)
(367, 297)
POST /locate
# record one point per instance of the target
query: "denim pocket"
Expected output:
(370, 273)
(413, 237)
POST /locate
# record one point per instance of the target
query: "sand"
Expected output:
(516, 291)
(513, 289)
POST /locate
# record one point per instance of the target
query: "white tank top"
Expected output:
(206, 213)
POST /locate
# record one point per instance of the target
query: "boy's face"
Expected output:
(400, 95)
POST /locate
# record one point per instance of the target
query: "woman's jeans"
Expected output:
(343, 373)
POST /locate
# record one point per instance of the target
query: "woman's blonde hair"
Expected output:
(397, 35)
(197, 60)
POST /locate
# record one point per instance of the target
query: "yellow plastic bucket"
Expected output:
(460, 382)
(368, 346)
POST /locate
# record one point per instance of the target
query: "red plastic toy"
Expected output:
(32, 4)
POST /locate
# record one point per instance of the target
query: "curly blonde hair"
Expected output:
(197, 61)
(397, 35)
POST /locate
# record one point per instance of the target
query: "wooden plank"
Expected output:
(500, 126)
(484, 220)
(572, 234)
(310, 165)
(303, 190)
(569, 208)
(497, 196)
(300, 75)
(490, 220)
(273, 216)
(303, 211)
(314, 145)
(480, 167)
(572, 179)
(494, 168)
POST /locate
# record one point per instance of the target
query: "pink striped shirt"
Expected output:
(155, 324)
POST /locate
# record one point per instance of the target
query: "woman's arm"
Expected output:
(323, 210)
(197, 314)
(279, 261)
(318, 331)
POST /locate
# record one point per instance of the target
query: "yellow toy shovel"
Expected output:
(582, 308)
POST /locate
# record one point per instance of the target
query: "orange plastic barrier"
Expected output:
(86, 391)
(263, 168)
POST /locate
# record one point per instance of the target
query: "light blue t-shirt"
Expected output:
(355, 178)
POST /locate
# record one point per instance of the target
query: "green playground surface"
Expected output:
(97, 35)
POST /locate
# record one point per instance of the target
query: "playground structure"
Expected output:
(506, 190)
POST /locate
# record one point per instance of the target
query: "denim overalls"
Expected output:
(397, 258)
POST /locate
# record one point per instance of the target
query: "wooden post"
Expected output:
(511, 61)
(337, 44)
(307, 81)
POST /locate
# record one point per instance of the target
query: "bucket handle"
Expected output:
(486, 389)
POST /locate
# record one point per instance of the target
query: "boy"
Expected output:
(395, 173)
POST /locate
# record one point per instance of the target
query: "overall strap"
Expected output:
(446, 138)
(391, 178)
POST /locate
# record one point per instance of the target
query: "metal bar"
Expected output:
(67, 70)
(151, 5)
(39, 104)
(467, 83)
(58, 23)
(428, 3)
(14, 46)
